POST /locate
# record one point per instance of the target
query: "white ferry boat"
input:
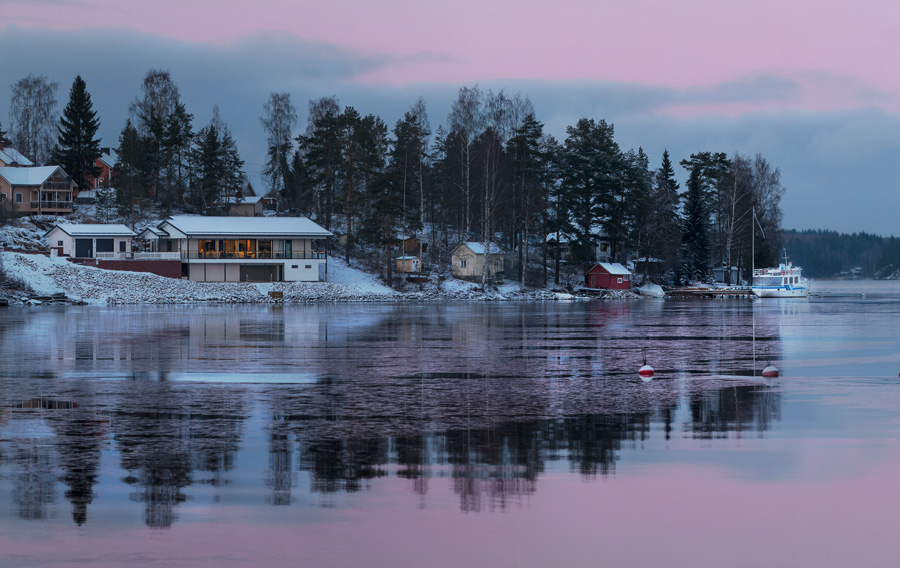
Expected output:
(785, 281)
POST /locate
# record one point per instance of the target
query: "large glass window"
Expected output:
(265, 249)
(247, 248)
(231, 249)
(207, 248)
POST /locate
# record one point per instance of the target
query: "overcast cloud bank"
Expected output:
(837, 165)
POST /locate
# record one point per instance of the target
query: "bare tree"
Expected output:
(466, 119)
(279, 121)
(159, 96)
(32, 115)
(420, 113)
(735, 209)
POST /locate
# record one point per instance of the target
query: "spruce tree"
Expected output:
(77, 150)
(3, 139)
(695, 231)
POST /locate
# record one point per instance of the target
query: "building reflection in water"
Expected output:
(479, 397)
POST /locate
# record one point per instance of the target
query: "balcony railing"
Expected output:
(51, 205)
(138, 256)
(214, 255)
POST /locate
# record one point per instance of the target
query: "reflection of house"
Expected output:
(89, 240)
(468, 260)
(42, 190)
(608, 276)
(409, 264)
(233, 249)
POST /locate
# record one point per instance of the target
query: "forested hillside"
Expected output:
(826, 254)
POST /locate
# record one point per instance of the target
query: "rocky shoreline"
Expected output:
(54, 281)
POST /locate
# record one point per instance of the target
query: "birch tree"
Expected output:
(32, 117)
(278, 122)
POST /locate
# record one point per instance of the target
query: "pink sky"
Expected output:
(681, 44)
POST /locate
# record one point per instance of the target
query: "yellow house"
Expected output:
(469, 258)
(41, 190)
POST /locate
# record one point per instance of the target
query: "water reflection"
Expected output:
(483, 398)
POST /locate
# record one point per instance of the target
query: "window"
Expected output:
(618, 280)
(18, 198)
(462, 263)
(295, 266)
(2, 197)
(121, 246)
(59, 243)
(308, 266)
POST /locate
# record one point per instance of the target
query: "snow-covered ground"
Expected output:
(53, 275)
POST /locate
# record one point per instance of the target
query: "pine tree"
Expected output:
(694, 263)
(77, 150)
(3, 139)
(133, 168)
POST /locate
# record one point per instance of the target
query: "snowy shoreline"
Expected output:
(51, 275)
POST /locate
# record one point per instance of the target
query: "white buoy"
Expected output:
(770, 372)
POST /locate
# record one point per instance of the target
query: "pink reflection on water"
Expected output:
(824, 515)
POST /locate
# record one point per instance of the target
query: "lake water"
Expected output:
(462, 434)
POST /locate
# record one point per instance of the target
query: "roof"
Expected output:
(155, 232)
(27, 176)
(197, 226)
(13, 156)
(248, 199)
(478, 248)
(407, 257)
(109, 157)
(612, 268)
(94, 229)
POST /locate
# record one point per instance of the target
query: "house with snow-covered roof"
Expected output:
(11, 157)
(470, 258)
(37, 190)
(88, 240)
(608, 276)
(246, 249)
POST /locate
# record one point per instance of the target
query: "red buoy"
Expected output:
(770, 372)
(646, 372)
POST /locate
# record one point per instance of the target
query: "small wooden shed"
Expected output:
(608, 276)
(409, 264)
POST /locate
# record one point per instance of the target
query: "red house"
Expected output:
(608, 276)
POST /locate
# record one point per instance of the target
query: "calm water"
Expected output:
(466, 434)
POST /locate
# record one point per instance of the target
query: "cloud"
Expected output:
(829, 155)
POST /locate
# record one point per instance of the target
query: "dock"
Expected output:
(689, 292)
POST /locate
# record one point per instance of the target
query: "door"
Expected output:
(84, 248)
(105, 245)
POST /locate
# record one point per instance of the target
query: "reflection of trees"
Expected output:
(34, 487)
(166, 433)
(280, 475)
(733, 409)
(343, 465)
(80, 437)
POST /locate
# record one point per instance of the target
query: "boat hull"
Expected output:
(780, 291)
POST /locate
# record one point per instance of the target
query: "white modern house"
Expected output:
(85, 240)
(242, 249)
